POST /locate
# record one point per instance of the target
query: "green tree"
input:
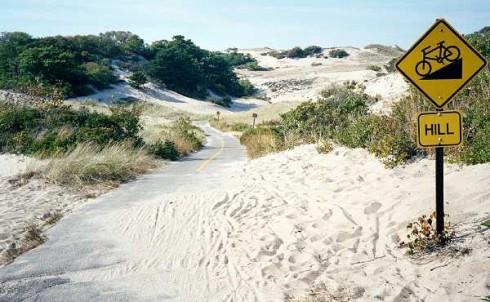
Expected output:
(137, 79)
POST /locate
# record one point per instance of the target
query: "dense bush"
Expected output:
(69, 64)
(75, 65)
(338, 53)
(341, 115)
(164, 150)
(234, 58)
(185, 136)
(239, 127)
(53, 130)
(297, 52)
(137, 79)
(247, 88)
(325, 117)
(253, 66)
(225, 101)
(261, 141)
(190, 70)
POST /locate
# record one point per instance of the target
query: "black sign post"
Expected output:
(439, 190)
(440, 64)
(254, 115)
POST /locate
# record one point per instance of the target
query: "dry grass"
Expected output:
(260, 144)
(152, 109)
(32, 237)
(89, 164)
(270, 112)
(154, 129)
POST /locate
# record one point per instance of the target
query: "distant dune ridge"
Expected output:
(302, 79)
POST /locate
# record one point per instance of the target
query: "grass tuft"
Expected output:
(89, 164)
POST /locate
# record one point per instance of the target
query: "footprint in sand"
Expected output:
(372, 208)
(343, 236)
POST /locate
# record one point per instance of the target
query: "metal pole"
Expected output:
(440, 190)
(253, 125)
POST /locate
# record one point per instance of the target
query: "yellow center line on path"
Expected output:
(205, 163)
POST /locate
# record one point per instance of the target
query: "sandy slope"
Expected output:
(153, 93)
(27, 203)
(266, 230)
(303, 79)
(288, 80)
(302, 218)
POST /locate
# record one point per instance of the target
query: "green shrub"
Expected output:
(247, 87)
(324, 118)
(390, 66)
(390, 141)
(253, 66)
(234, 58)
(99, 75)
(164, 150)
(296, 52)
(225, 101)
(358, 133)
(137, 79)
(374, 67)
(239, 127)
(185, 136)
(338, 53)
(52, 130)
(313, 50)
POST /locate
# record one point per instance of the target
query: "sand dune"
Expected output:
(302, 79)
(28, 203)
(302, 218)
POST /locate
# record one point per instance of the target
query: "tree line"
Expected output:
(79, 65)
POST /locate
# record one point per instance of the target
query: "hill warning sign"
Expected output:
(440, 63)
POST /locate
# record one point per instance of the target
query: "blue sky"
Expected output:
(219, 24)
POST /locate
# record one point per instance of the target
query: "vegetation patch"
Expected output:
(297, 52)
(90, 164)
(374, 68)
(341, 115)
(338, 53)
(225, 101)
(188, 69)
(422, 238)
(50, 130)
(83, 147)
(486, 223)
(77, 65)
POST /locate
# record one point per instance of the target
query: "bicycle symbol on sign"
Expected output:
(440, 54)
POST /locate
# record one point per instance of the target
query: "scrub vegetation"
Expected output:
(80, 65)
(297, 52)
(341, 115)
(82, 147)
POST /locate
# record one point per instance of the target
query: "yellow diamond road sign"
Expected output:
(439, 129)
(440, 63)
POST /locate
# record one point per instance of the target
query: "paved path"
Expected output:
(150, 240)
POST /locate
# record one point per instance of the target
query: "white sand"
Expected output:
(30, 203)
(301, 218)
(165, 97)
(303, 79)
